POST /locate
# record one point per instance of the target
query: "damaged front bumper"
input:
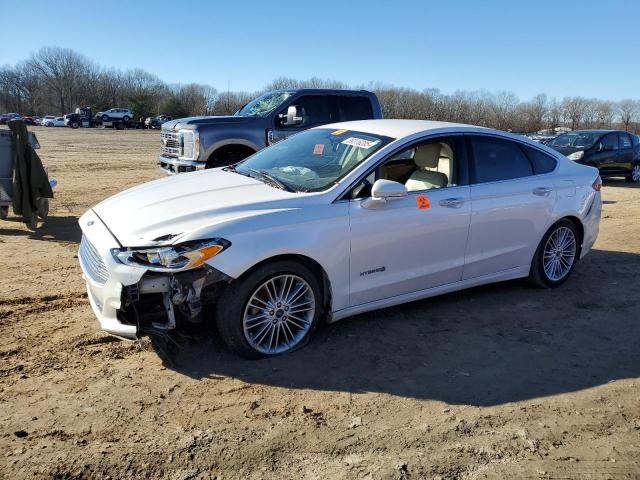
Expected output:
(130, 300)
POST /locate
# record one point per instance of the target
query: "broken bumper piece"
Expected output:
(129, 301)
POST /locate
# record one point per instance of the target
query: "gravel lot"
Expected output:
(503, 381)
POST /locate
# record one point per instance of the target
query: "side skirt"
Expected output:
(511, 274)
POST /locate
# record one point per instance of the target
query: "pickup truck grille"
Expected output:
(92, 262)
(170, 144)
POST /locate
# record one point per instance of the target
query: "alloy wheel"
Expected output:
(559, 254)
(279, 314)
(635, 173)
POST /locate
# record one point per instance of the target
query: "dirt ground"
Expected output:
(503, 381)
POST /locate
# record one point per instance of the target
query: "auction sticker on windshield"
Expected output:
(318, 149)
(359, 142)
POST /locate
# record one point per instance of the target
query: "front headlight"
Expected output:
(190, 144)
(576, 155)
(174, 258)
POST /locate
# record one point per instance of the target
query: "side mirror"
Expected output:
(291, 119)
(382, 191)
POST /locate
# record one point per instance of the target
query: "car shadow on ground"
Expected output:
(619, 182)
(485, 346)
(55, 229)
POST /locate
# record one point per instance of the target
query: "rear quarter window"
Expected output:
(542, 163)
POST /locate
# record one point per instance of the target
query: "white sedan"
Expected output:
(53, 122)
(336, 221)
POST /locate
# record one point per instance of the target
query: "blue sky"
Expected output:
(588, 48)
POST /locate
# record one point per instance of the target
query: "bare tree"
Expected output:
(628, 110)
(63, 70)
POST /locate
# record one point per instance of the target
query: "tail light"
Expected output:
(597, 184)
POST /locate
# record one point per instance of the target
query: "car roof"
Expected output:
(593, 130)
(395, 128)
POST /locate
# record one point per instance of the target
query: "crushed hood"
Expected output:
(164, 210)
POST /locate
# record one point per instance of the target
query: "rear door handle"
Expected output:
(542, 191)
(452, 202)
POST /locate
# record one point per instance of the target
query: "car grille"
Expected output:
(170, 144)
(92, 262)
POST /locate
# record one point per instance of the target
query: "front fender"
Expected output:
(324, 238)
(209, 149)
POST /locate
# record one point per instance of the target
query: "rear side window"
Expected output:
(625, 140)
(542, 163)
(354, 108)
(495, 159)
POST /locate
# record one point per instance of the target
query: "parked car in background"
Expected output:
(4, 118)
(54, 122)
(123, 114)
(614, 153)
(29, 120)
(157, 121)
(332, 222)
(196, 143)
(44, 119)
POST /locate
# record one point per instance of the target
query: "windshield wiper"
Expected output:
(271, 179)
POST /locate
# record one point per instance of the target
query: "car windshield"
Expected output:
(264, 104)
(575, 139)
(312, 160)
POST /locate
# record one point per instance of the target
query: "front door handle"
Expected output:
(452, 202)
(542, 191)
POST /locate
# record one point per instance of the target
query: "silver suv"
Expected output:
(123, 114)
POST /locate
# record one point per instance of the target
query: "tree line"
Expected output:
(57, 80)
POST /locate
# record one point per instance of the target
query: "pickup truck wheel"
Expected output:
(125, 119)
(272, 311)
(105, 118)
(74, 125)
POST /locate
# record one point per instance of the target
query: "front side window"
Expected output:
(495, 159)
(313, 110)
(424, 166)
(263, 105)
(610, 141)
(313, 160)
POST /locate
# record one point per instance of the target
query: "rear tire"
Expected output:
(105, 118)
(556, 255)
(234, 314)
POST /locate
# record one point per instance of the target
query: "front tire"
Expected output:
(635, 174)
(125, 119)
(105, 118)
(556, 256)
(272, 311)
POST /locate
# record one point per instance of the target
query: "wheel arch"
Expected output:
(229, 147)
(310, 263)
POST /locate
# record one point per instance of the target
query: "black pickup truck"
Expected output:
(196, 143)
